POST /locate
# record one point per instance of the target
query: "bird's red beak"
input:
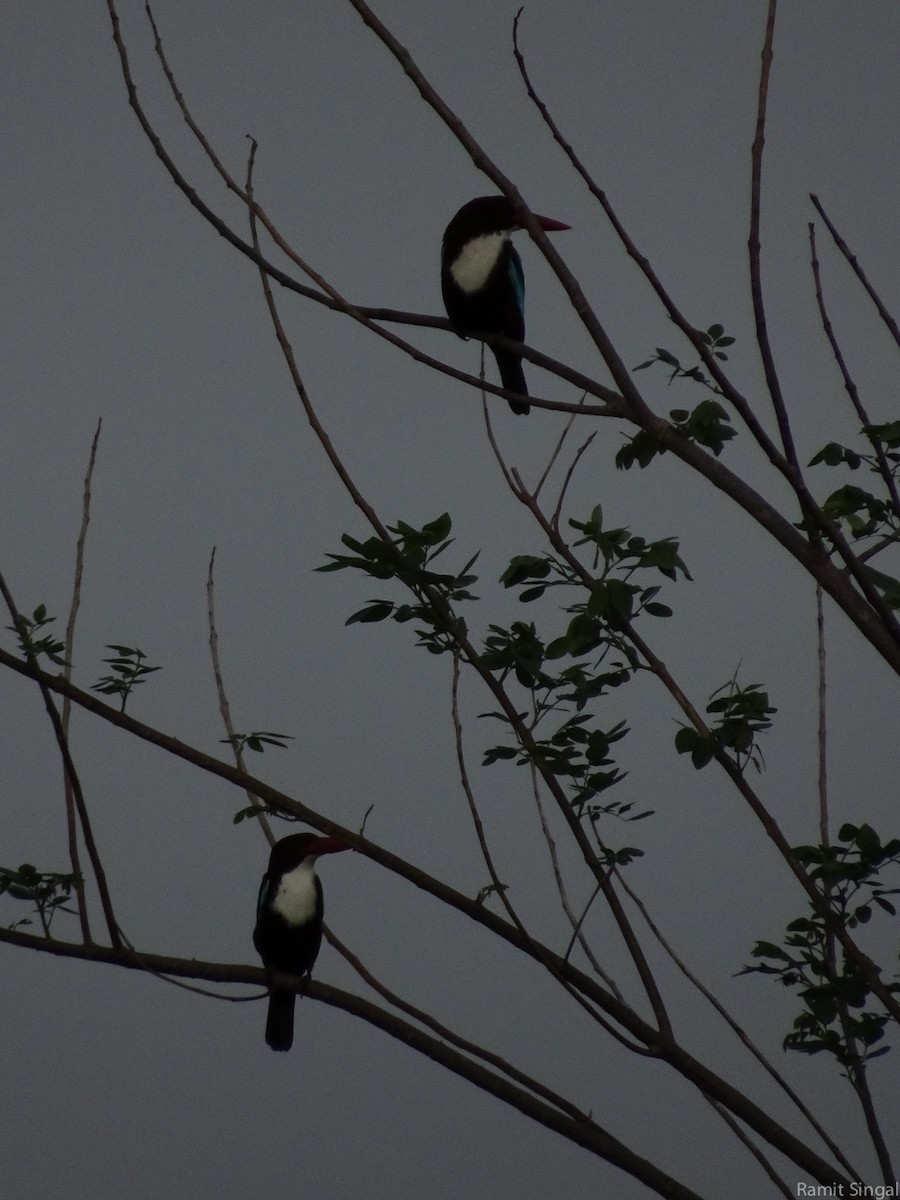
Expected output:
(550, 225)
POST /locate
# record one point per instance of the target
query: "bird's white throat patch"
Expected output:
(295, 899)
(474, 263)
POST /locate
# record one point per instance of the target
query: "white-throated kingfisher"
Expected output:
(288, 929)
(483, 283)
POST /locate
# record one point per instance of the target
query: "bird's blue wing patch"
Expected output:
(517, 278)
(263, 894)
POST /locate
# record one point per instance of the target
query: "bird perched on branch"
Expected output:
(483, 283)
(288, 929)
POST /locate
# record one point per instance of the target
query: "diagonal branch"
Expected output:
(851, 258)
(884, 467)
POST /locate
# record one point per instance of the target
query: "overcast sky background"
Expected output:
(118, 301)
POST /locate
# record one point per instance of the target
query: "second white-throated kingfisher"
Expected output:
(288, 929)
(483, 283)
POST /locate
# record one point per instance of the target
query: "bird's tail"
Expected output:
(513, 379)
(280, 1021)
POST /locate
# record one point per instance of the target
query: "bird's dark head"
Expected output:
(490, 214)
(290, 851)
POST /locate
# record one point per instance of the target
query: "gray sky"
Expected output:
(120, 302)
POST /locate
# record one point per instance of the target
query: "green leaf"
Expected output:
(886, 584)
(498, 753)
(436, 531)
(657, 610)
(375, 610)
(525, 567)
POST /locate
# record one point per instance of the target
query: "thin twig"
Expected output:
(742, 1137)
(753, 244)
(554, 520)
(856, 1065)
(890, 539)
(224, 706)
(557, 450)
(884, 467)
(822, 732)
(489, 429)
(576, 922)
(500, 887)
(287, 350)
(851, 258)
(71, 819)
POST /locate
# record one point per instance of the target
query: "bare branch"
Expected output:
(71, 819)
(851, 258)
(575, 922)
(742, 1137)
(554, 520)
(759, 311)
(884, 467)
(224, 706)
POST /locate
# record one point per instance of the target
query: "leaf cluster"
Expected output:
(257, 741)
(840, 1015)
(48, 891)
(741, 714)
(128, 670)
(560, 675)
(863, 513)
(408, 557)
(26, 630)
(708, 425)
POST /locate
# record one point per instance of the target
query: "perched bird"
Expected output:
(483, 283)
(289, 922)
